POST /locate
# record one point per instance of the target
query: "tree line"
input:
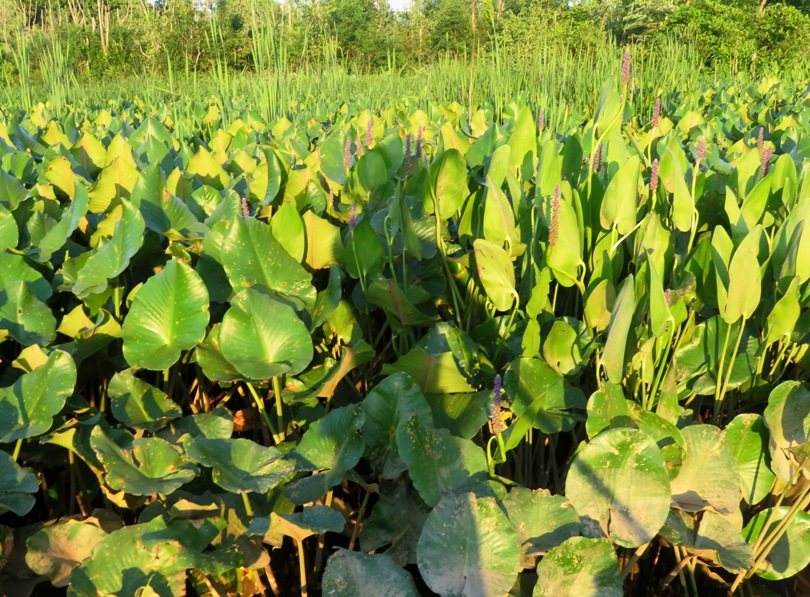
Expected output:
(119, 38)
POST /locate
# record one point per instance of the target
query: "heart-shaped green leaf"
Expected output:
(16, 487)
(264, 337)
(141, 466)
(791, 552)
(580, 567)
(169, 315)
(542, 521)
(332, 444)
(708, 477)
(747, 437)
(619, 482)
(240, 465)
(496, 272)
(56, 550)
(468, 548)
(788, 419)
(139, 404)
(27, 408)
(349, 574)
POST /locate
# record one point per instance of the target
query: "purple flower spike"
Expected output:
(554, 232)
(359, 147)
(369, 132)
(541, 120)
(245, 207)
(626, 68)
(597, 159)
(765, 161)
(419, 140)
(495, 417)
(656, 113)
(761, 138)
(668, 295)
(353, 216)
(347, 154)
(701, 149)
(654, 177)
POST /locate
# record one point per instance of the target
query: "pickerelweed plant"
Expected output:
(477, 353)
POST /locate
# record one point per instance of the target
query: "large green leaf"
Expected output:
(113, 256)
(541, 396)
(27, 408)
(791, 553)
(747, 437)
(388, 405)
(16, 487)
(141, 466)
(433, 365)
(788, 419)
(9, 233)
(468, 548)
(619, 483)
(332, 444)
(722, 542)
(56, 550)
(154, 555)
(542, 521)
(49, 235)
(169, 315)
(708, 477)
(363, 252)
(240, 465)
(448, 177)
(438, 463)
(349, 574)
(263, 337)
(288, 229)
(251, 255)
(139, 404)
(24, 317)
(496, 272)
(620, 202)
(614, 356)
(396, 522)
(580, 567)
(744, 279)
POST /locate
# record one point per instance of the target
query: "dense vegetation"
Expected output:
(339, 307)
(111, 38)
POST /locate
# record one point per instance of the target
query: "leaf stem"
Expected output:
(635, 558)
(262, 411)
(246, 502)
(279, 409)
(358, 522)
(718, 416)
